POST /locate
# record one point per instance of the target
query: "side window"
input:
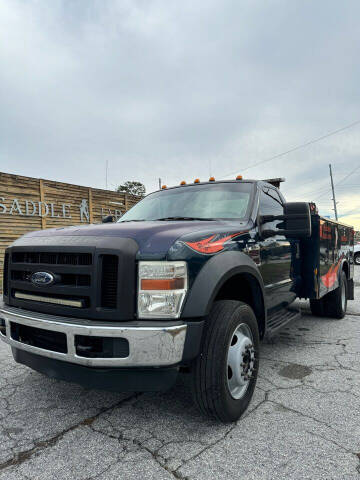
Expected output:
(270, 204)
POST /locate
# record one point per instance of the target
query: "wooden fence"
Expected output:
(28, 204)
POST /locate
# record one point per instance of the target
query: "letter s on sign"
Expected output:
(2, 206)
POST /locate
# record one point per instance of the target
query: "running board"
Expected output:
(280, 318)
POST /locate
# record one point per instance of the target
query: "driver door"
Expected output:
(275, 253)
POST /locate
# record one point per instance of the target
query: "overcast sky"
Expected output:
(182, 89)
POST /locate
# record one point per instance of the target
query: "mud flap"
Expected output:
(350, 289)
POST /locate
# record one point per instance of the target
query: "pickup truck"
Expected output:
(189, 280)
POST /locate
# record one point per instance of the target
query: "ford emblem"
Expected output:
(42, 279)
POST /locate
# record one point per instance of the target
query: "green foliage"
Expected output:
(133, 188)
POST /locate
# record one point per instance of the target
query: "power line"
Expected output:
(298, 147)
(338, 183)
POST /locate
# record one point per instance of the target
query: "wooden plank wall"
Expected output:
(53, 195)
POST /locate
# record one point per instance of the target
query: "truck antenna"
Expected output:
(106, 173)
(333, 192)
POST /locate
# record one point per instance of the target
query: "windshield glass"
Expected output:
(208, 201)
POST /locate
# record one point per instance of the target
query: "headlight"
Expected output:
(162, 289)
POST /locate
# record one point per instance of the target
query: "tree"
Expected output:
(133, 188)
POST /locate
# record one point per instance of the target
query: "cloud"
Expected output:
(181, 89)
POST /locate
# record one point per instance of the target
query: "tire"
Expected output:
(231, 333)
(335, 302)
(357, 258)
(317, 307)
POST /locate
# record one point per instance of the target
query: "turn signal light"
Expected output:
(162, 284)
(197, 180)
(212, 179)
(239, 177)
(163, 187)
(183, 182)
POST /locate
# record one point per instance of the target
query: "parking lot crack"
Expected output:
(298, 412)
(326, 439)
(39, 446)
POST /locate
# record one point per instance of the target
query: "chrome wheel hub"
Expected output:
(240, 361)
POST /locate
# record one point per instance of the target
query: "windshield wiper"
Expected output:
(184, 218)
(140, 220)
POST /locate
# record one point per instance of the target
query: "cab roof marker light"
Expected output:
(183, 182)
(164, 187)
(197, 180)
(239, 177)
(212, 179)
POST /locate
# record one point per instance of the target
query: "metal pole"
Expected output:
(106, 173)
(159, 183)
(333, 192)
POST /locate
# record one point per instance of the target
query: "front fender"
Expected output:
(212, 277)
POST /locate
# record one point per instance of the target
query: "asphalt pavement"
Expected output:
(303, 422)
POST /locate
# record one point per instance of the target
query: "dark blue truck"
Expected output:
(189, 280)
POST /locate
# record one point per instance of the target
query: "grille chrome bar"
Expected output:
(55, 301)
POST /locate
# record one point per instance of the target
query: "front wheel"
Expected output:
(224, 374)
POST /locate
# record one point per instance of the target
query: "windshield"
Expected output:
(208, 201)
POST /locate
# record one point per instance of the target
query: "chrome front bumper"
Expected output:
(149, 346)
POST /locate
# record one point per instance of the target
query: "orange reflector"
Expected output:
(163, 187)
(212, 179)
(197, 180)
(162, 284)
(183, 182)
(239, 177)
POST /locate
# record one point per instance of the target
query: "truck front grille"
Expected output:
(66, 279)
(50, 258)
(86, 280)
(5, 277)
(109, 281)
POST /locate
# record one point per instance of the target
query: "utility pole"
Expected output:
(106, 173)
(333, 192)
(159, 183)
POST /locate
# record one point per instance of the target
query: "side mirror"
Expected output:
(296, 221)
(108, 219)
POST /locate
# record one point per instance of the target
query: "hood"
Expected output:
(153, 237)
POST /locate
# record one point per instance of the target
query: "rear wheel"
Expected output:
(224, 374)
(333, 304)
(357, 258)
(336, 301)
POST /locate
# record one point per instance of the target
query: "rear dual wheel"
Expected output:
(224, 374)
(333, 304)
